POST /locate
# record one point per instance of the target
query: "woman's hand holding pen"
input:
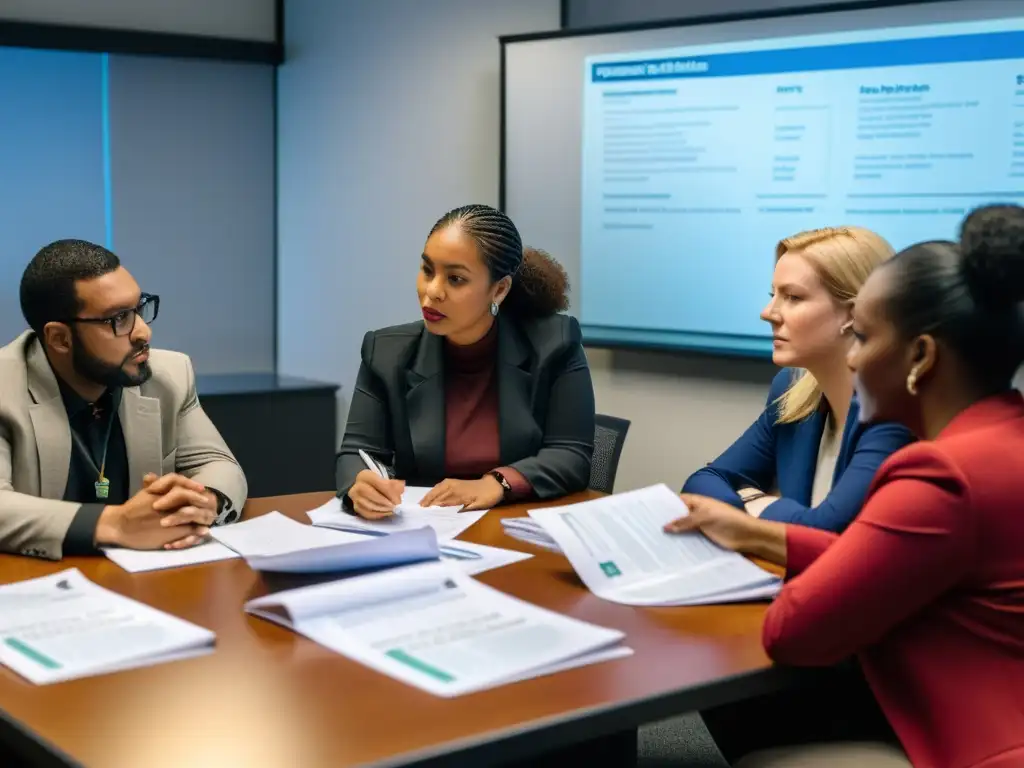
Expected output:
(373, 496)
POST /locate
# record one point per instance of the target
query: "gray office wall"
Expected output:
(192, 160)
(388, 117)
(51, 160)
(241, 19)
(189, 206)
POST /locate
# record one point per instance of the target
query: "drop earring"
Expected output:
(912, 383)
(494, 308)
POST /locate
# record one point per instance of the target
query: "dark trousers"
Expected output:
(615, 751)
(11, 759)
(837, 707)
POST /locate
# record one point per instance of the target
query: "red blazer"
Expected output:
(926, 586)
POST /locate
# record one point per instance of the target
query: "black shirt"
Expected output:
(89, 423)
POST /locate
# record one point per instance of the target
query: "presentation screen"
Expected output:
(663, 166)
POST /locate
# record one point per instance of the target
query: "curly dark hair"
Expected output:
(540, 286)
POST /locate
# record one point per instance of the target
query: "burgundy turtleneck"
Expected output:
(472, 444)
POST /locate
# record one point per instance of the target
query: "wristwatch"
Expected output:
(225, 514)
(505, 486)
(751, 494)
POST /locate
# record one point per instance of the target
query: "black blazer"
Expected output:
(545, 405)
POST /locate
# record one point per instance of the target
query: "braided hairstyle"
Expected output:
(539, 284)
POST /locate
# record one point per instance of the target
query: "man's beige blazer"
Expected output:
(165, 430)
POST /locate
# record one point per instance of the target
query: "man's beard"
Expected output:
(105, 374)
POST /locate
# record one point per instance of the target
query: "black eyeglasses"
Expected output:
(123, 322)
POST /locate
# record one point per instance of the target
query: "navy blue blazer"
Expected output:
(786, 455)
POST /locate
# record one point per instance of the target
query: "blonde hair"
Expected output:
(842, 257)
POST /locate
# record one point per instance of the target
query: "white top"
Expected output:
(828, 454)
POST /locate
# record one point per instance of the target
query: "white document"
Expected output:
(274, 533)
(617, 546)
(528, 530)
(476, 558)
(275, 542)
(447, 522)
(62, 626)
(438, 629)
(139, 560)
(413, 495)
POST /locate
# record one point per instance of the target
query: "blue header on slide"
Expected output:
(885, 53)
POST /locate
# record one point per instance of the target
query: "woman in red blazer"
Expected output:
(926, 586)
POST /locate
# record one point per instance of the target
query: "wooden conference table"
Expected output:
(268, 697)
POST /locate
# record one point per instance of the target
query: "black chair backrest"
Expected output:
(609, 437)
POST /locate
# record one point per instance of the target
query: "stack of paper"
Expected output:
(63, 626)
(447, 522)
(528, 530)
(435, 628)
(274, 542)
(617, 546)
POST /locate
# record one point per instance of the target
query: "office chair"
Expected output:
(609, 437)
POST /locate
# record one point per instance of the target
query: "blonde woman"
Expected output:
(808, 459)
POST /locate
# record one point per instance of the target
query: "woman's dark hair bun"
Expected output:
(540, 287)
(992, 255)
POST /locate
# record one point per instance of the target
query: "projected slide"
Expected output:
(696, 161)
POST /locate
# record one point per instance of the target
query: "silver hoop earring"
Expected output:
(494, 308)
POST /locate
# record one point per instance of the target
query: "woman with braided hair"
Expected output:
(489, 397)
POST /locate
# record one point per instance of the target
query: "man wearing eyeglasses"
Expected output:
(102, 439)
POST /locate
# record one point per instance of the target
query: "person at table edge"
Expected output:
(808, 459)
(489, 398)
(926, 586)
(102, 439)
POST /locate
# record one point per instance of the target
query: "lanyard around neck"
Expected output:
(101, 467)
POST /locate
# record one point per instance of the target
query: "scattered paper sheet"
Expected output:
(447, 522)
(435, 628)
(62, 626)
(481, 557)
(139, 561)
(274, 542)
(617, 546)
(414, 494)
(274, 533)
(529, 531)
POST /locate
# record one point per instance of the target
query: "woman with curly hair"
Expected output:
(489, 397)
